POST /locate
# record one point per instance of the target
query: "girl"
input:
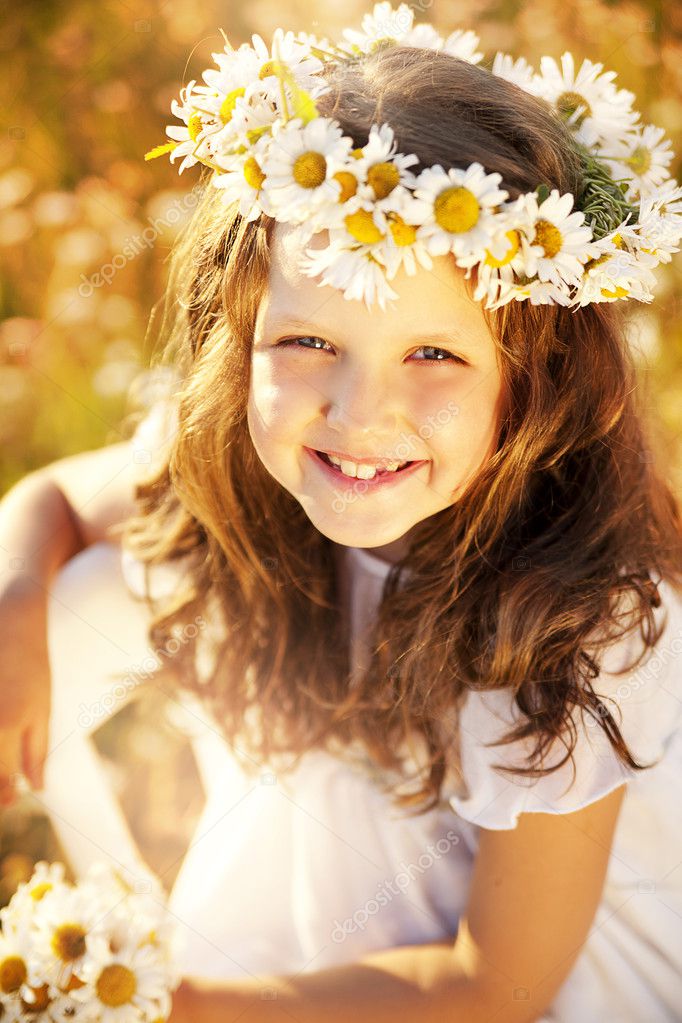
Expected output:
(441, 706)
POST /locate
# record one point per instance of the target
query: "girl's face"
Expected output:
(417, 382)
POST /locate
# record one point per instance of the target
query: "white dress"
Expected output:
(301, 871)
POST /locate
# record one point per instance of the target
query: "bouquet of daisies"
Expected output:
(100, 950)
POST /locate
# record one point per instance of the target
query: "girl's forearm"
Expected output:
(420, 983)
(37, 533)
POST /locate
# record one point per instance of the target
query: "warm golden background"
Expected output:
(86, 90)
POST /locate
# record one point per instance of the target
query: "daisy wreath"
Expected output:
(255, 124)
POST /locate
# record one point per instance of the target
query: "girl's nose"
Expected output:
(364, 407)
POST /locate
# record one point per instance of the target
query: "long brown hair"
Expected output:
(517, 585)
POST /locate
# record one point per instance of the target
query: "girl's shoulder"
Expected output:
(645, 702)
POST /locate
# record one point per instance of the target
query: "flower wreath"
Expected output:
(256, 125)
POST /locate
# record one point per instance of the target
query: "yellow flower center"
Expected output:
(253, 134)
(228, 104)
(116, 985)
(310, 169)
(456, 210)
(194, 126)
(569, 102)
(403, 234)
(41, 999)
(68, 942)
(514, 241)
(640, 160)
(356, 154)
(616, 293)
(272, 67)
(39, 890)
(252, 172)
(383, 43)
(591, 263)
(74, 983)
(383, 177)
(12, 974)
(549, 237)
(362, 227)
(349, 184)
(617, 241)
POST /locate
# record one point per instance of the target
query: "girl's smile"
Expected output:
(383, 479)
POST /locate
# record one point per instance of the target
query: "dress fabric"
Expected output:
(296, 871)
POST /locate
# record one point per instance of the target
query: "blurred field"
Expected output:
(86, 90)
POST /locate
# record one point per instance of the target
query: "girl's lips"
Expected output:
(385, 479)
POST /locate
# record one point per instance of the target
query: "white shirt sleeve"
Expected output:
(646, 705)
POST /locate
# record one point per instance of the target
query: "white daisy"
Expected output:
(535, 291)
(65, 921)
(243, 183)
(185, 135)
(14, 951)
(561, 241)
(424, 37)
(125, 985)
(657, 233)
(519, 71)
(462, 44)
(299, 167)
(16, 916)
(384, 23)
(380, 168)
(35, 1003)
(618, 277)
(236, 69)
(588, 101)
(385, 234)
(403, 247)
(504, 258)
(364, 228)
(63, 1009)
(310, 40)
(355, 271)
(456, 208)
(200, 112)
(252, 118)
(641, 157)
(294, 54)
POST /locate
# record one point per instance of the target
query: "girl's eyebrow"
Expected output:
(452, 336)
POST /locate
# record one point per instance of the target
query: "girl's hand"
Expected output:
(204, 1001)
(25, 684)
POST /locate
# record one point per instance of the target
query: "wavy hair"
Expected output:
(519, 585)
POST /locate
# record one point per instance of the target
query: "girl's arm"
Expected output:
(46, 519)
(533, 896)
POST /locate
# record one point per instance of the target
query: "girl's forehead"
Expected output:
(431, 301)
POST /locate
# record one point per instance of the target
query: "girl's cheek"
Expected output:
(277, 405)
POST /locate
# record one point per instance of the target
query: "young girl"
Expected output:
(440, 705)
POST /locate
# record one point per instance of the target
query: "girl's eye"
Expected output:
(443, 351)
(295, 340)
(448, 356)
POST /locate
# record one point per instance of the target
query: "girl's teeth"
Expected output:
(362, 472)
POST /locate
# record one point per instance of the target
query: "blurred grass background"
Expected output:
(86, 91)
